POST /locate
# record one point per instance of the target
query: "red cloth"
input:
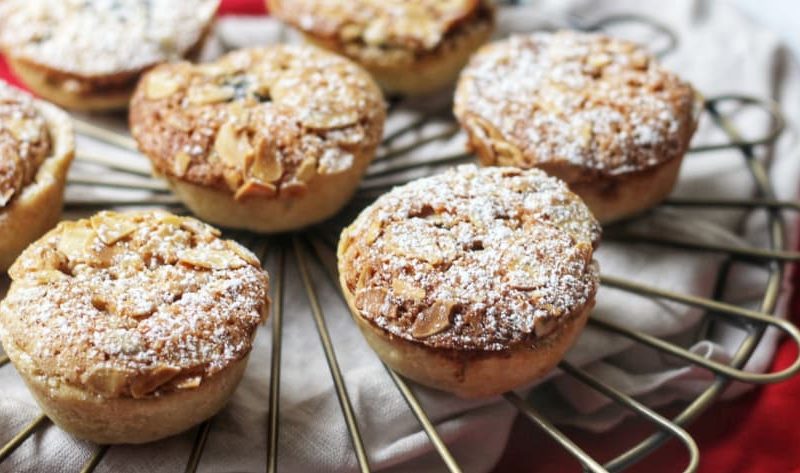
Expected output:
(759, 432)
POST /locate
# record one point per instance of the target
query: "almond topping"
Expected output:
(255, 188)
(243, 253)
(211, 259)
(5, 197)
(190, 383)
(146, 383)
(307, 169)
(161, 85)
(75, 240)
(371, 301)
(267, 166)
(232, 147)
(407, 290)
(209, 93)
(181, 164)
(110, 229)
(435, 319)
(106, 381)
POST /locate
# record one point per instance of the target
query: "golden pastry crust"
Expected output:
(88, 55)
(36, 150)
(133, 305)
(583, 107)
(275, 124)
(472, 259)
(470, 264)
(409, 47)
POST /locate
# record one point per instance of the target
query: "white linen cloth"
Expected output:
(719, 51)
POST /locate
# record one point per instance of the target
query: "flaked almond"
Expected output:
(233, 179)
(209, 94)
(371, 301)
(328, 120)
(255, 188)
(161, 85)
(307, 169)
(190, 383)
(48, 276)
(181, 164)
(232, 146)
(374, 231)
(586, 134)
(639, 60)
(197, 227)
(106, 381)
(243, 253)
(435, 319)
(375, 32)
(147, 383)
(267, 166)
(76, 240)
(111, 229)
(408, 290)
(211, 259)
(507, 154)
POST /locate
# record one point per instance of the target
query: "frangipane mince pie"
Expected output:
(130, 327)
(475, 281)
(598, 112)
(266, 139)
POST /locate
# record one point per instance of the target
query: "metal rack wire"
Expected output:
(316, 246)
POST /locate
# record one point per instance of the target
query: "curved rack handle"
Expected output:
(631, 18)
(778, 122)
(713, 306)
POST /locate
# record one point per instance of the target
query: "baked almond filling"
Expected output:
(592, 103)
(472, 259)
(24, 142)
(258, 122)
(134, 304)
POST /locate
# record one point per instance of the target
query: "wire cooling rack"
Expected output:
(316, 246)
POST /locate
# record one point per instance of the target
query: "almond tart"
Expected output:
(267, 139)
(598, 112)
(475, 281)
(131, 327)
(410, 47)
(36, 149)
(89, 54)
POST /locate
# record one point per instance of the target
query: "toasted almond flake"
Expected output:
(147, 383)
(23, 129)
(254, 188)
(371, 301)
(197, 227)
(76, 240)
(507, 154)
(181, 164)
(435, 319)
(190, 383)
(407, 290)
(243, 253)
(232, 146)
(211, 259)
(307, 169)
(209, 94)
(544, 326)
(267, 166)
(106, 381)
(161, 85)
(110, 229)
(49, 275)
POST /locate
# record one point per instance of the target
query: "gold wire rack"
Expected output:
(316, 246)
